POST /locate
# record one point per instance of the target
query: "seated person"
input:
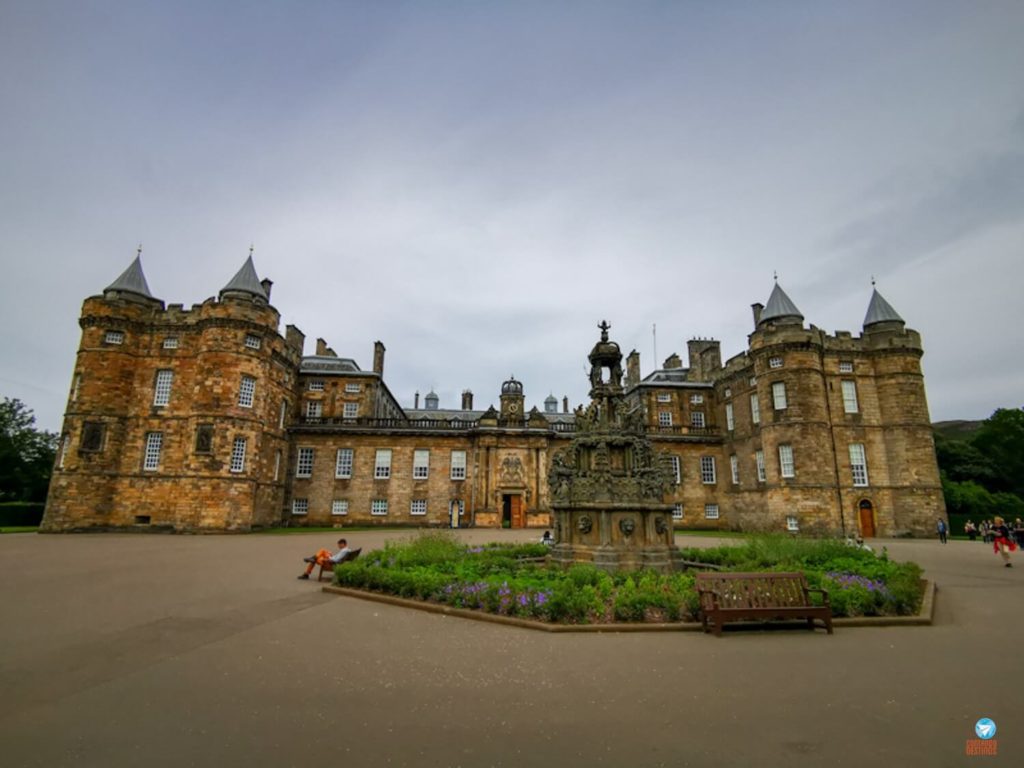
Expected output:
(325, 558)
(546, 539)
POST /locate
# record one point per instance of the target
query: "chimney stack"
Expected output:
(633, 369)
(378, 358)
(416, 401)
(565, 404)
(467, 400)
(321, 347)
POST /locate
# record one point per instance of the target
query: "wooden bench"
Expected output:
(760, 596)
(327, 569)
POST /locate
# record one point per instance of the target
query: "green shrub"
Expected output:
(21, 513)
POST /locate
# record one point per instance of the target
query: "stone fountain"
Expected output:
(608, 486)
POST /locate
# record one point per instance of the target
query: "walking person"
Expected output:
(1003, 544)
(971, 530)
(942, 530)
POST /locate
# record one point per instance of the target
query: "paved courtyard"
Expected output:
(122, 650)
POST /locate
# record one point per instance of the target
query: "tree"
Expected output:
(1001, 440)
(26, 454)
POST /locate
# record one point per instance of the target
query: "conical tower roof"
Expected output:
(780, 307)
(246, 281)
(880, 311)
(132, 280)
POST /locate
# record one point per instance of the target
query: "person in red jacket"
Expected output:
(1003, 543)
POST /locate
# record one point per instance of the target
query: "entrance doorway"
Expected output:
(454, 510)
(513, 511)
(867, 519)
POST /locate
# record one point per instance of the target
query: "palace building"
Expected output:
(212, 419)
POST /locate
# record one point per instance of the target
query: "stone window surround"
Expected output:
(162, 386)
(247, 392)
(420, 463)
(339, 507)
(238, 450)
(304, 461)
(786, 467)
(418, 507)
(152, 453)
(382, 465)
(379, 507)
(708, 474)
(343, 463)
(458, 466)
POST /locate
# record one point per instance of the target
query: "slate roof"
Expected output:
(132, 280)
(779, 306)
(246, 281)
(880, 310)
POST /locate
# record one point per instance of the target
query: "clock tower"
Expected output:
(512, 399)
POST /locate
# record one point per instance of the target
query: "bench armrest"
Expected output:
(824, 594)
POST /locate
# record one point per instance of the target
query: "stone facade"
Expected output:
(211, 419)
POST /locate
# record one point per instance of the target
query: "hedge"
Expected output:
(21, 513)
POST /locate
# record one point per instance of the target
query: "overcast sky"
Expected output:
(479, 184)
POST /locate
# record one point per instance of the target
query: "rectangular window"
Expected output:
(774, 362)
(711, 511)
(379, 507)
(730, 421)
(253, 341)
(382, 464)
(339, 507)
(353, 387)
(458, 465)
(247, 391)
(677, 512)
(304, 462)
(277, 465)
(314, 409)
(316, 385)
(114, 337)
(343, 464)
(755, 409)
(664, 418)
(204, 438)
(418, 507)
(779, 396)
(63, 451)
(707, 470)
(734, 466)
(238, 455)
(849, 396)
(858, 464)
(420, 464)
(846, 366)
(300, 506)
(351, 410)
(696, 399)
(677, 469)
(154, 444)
(759, 459)
(284, 411)
(786, 461)
(162, 389)
(791, 524)
(697, 419)
(171, 342)
(664, 398)
(75, 386)
(92, 437)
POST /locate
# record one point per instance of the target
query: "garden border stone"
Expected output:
(924, 617)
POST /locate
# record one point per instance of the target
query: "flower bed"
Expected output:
(512, 580)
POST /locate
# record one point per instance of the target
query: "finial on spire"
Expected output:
(872, 281)
(250, 250)
(775, 275)
(138, 251)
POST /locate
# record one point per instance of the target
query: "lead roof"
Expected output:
(132, 280)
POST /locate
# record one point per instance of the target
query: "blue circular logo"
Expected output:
(985, 728)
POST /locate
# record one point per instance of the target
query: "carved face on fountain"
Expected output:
(585, 524)
(627, 525)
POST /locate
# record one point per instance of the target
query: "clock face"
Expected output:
(513, 408)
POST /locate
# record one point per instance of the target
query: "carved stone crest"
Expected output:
(512, 470)
(585, 524)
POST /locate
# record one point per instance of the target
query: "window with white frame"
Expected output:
(339, 507)
(113, 337)
(677, 469)
(759, 460)
(247, 391)
(774, 362)
(316, 385)
(154, 445)
(730, 421)
(314, 409)
(458, 465)
(664, 397)
(343, 464)
(171, 342)
(350, 410)
(277, 465)
(252, 341)
(420, 464)
(711, 511)
(696, 399)
(849, 396)
(379, 507)
(300, 506)
(304, 462)
(382, 464)
(734, 467)
(418, 507)
(755, 409)
(846, 366)
(353, 387)
(162, 389)
(697, 419)
(677, 512)
(238, 454)
(858, 464)
(792, 524)
(786, 461)
(664, 418)
(284, 412)
(707, 470)
(779, 401)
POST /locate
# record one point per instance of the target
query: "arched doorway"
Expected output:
(866, 518)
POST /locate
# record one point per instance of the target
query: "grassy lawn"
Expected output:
(19, 529)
